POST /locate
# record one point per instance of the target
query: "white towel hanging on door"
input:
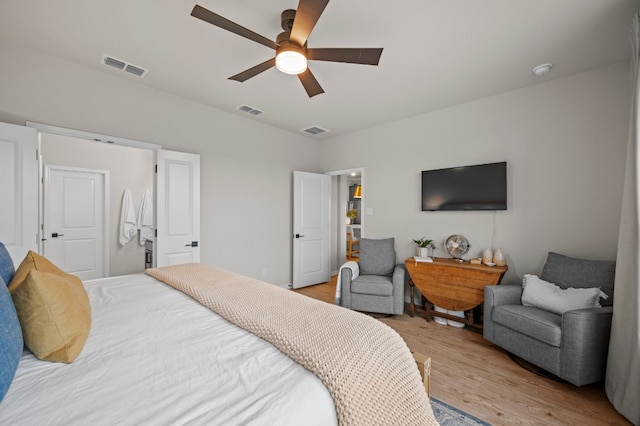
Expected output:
(128, 228)
(145, 219)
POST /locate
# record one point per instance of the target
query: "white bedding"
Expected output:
(155, 356)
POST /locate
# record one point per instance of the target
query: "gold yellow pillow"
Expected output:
(32, 261)
(55, 314)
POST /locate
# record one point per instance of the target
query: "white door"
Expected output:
(178, 208)
(75, 218)
(18, 190)
(311, 229)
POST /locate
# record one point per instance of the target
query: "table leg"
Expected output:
(429, 309)
(412, 306)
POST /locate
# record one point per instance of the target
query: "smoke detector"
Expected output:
(542, 69)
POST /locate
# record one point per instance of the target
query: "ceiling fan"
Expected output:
(291, 49)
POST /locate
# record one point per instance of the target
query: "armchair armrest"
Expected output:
(506, 294)
(399, 273)
(585, 344)
(346, 274)
(496, 295)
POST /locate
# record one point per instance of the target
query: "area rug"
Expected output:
(451, 416)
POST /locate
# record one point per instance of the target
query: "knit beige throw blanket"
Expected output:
(364, 364)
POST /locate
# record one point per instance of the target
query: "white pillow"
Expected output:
(548, 296)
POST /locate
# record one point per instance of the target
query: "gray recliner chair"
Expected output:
(572, 346)
(379, 285)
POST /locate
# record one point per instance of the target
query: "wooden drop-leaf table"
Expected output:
(451, 284)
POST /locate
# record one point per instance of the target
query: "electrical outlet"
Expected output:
(265, 272)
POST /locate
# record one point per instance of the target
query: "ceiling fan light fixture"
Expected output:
(291, 45)
(291, 60)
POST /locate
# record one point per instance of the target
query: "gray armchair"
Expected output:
(572, 346)
(379, 286)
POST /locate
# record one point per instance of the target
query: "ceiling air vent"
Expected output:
(250, 110)
(140, 72)
(123, 66)
(314, 130)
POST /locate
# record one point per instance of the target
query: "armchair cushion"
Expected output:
(541, 325)
(377, 285)
(377, 257)
(550, 297)
(565, 272)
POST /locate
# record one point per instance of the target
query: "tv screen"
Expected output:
(477, 187)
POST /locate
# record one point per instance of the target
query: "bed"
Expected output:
(156, 356)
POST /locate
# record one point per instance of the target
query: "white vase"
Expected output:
(487, 256)
(498, 257)
(423, 251)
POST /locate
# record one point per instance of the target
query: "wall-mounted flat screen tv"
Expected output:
(477, 187)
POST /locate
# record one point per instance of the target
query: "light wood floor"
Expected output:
(476, 376)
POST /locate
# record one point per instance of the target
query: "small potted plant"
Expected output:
(426, 247)
(351, 215)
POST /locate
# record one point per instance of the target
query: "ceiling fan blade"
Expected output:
(219, 21)
(307, 15)
(253, 71)
(310, 83)
(352, 56)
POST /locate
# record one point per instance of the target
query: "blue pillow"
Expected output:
(11, 342)
(6, 265)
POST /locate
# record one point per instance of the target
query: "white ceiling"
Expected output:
(437, 53)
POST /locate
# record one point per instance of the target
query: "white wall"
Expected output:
(128, 168)
(564, 142)
(246, 166)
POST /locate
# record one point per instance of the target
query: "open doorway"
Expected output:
(354, 216)
(128, 167)
(345, 199)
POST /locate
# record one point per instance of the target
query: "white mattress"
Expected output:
(155, 356)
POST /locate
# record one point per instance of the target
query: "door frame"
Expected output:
(340, 252)
(90, 137)
(44, 183)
